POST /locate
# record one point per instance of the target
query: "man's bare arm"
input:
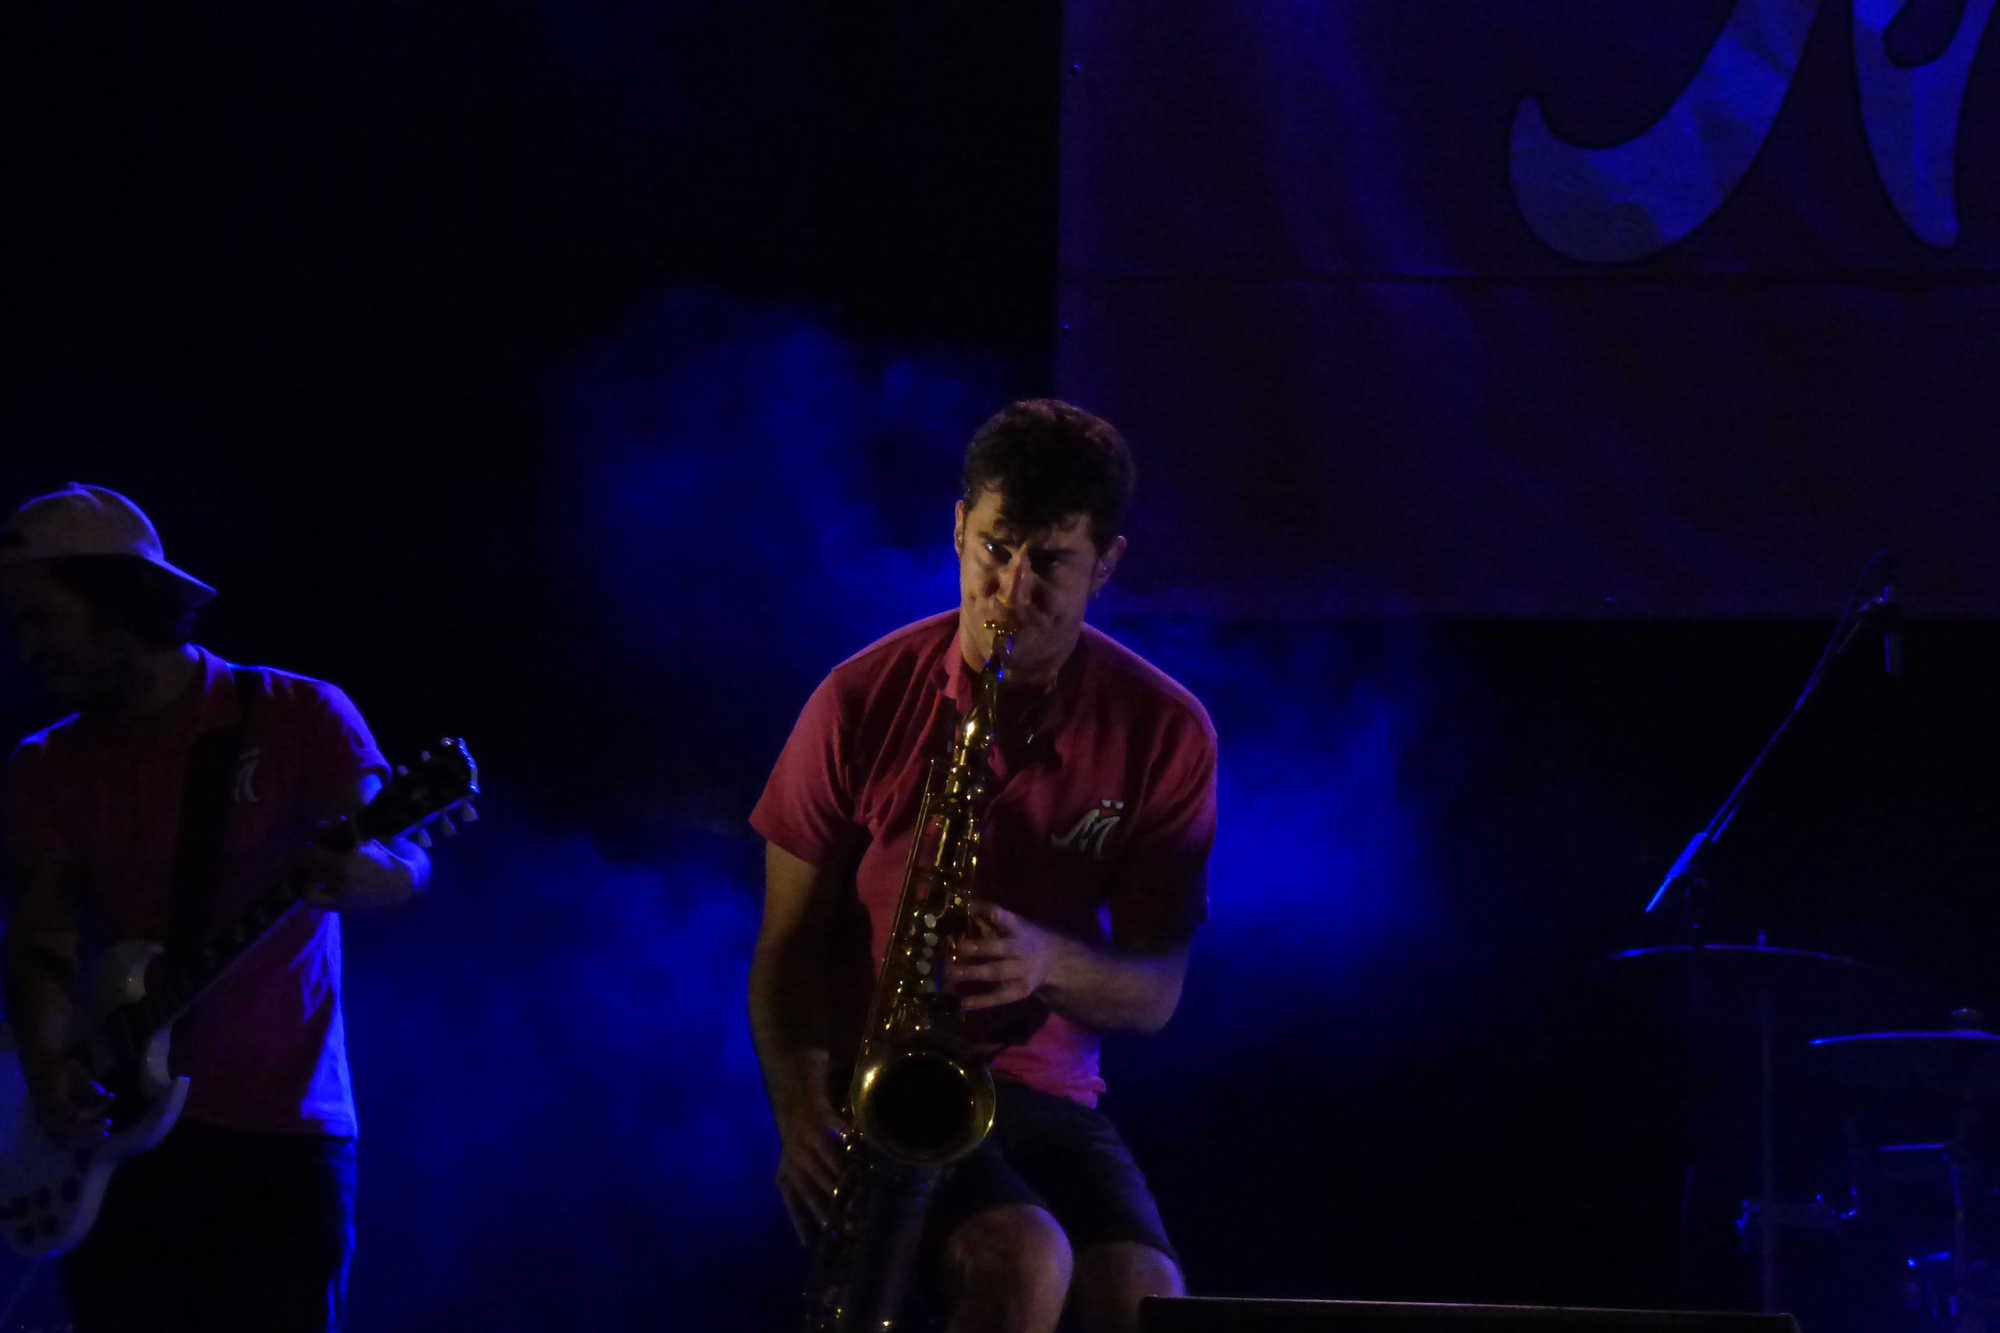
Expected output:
(377, 875)
(1115, 989)
(39, 953)
(788, 1022)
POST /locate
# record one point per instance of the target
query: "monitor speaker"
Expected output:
(1207, 1314)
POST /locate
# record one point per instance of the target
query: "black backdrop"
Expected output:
(305, 284)
(311, 286)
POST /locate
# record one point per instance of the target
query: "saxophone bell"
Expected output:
(923, 1105)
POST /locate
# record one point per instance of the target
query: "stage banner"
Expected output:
(1539, 307)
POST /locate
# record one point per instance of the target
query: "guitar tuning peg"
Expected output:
(467, 815)
(419, 837)
(402, 770)
(424, 756)
(446, 828)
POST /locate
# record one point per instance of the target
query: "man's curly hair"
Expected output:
(1049, 461)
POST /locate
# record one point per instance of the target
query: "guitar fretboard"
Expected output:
(178, 981)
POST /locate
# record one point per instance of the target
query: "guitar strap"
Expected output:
(207, 792)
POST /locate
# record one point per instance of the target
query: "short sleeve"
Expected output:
(335, 751)
(807, 807)
(1160, 888)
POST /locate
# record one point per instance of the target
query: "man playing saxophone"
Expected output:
(1100, 812)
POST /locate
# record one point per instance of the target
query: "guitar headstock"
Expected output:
(442, 783)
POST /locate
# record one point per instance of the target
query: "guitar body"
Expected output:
(49, 1195)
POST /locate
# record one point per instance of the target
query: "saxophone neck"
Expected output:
(981, 720)
(999, 649)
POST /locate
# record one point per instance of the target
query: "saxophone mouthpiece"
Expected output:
(1000, 646)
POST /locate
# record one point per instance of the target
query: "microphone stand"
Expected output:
(1688, 876)
(1853, 620)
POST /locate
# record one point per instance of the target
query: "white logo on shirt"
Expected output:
(1088, 834)
(246, 775)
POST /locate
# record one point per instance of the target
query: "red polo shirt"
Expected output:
(264, 1049)
(1098, 826)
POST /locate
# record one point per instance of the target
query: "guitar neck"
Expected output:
(417, 795)
(178, 980)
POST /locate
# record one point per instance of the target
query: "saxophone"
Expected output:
(916, 1104)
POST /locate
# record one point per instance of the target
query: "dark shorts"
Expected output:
(1059, 1155)
(220, 1231)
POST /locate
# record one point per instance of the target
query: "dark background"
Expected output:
(588, 378)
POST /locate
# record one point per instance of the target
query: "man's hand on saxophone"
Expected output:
(787, 977)
(1004, 958)
(809, 1162)
(1123, 987)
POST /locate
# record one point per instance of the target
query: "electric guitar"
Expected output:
(49, 1195)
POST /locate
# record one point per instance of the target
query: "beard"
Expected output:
(101, 687)
(1041, 642)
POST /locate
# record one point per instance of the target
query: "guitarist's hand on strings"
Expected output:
(372, 876)
(68, 1101)
(378, 874)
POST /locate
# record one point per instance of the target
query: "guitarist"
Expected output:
(242, 1218)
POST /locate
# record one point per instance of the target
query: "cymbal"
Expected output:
(1961, 1061)
(1802, 989)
